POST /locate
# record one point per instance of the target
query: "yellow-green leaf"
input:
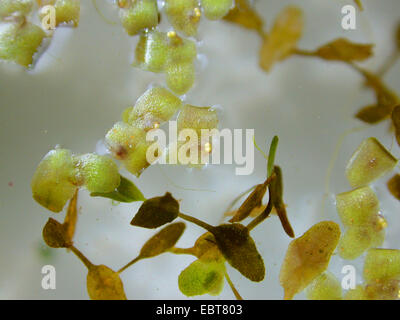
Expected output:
(325, 287)
(369, 162)
(163, 240)
(283, 38)
(202, 277)
(308, 256)
(126, 192)
(244, 15)
(104, 284)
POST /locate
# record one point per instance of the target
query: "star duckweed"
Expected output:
(61, 174)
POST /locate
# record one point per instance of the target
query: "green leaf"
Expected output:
(126, 192)
(239, 250)
(104, 284)
(271, 155)
(55, 235)
(163, 240)
(202, 277)
(156, 212)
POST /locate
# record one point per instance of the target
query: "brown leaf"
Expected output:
(308, 256)
(396, 122)
(239, 250)
(245, 16)
(71, 217)
(373, 114)
(252, 201)
(163, 240)
(277, 201)
(156, 212)
(283, 38)
(394, 186)
(104, 284)
(344, 50)
(55, 235)
(398, 37)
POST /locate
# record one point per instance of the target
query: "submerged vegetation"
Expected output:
(61, 174)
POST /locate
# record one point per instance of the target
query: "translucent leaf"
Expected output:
(128, 144)
(163, 240)
(104, 284)
(156, 212)
(139, 15)
(239, 249)
(206, 248)
(216, 9)
(126, 192)
(67, 11)
(55, 235)
(244, 15)
(308, 256)
(19, 42)
(357, 207)
(325, 287)
(382, 290)
(358, 239)
(168, 53)
(180, 77)
(202, 277)
(394, 186)
(355, 294)
(373, 114)
(382, 264)
(9, 7)
(197, 118)
(154, 107)
(283, 38)
(396, 122)
(98, 173)
(369, 162)
(151, 51)
(252, 201)
(54, 182)
(184, 15)
(344, 50)
(277, 201)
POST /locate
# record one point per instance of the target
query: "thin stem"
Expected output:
(188, 251)
(389, 63)
(81, 257)
(264, 215)
(235, 292)
(129, 264)
(305, 53)
(232, 204)
(196, 221)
